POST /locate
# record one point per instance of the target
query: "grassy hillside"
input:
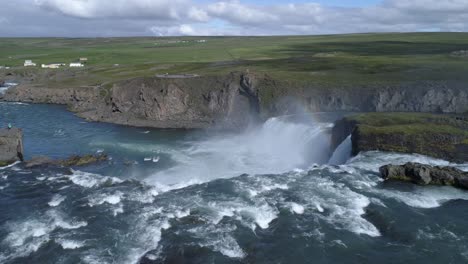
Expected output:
(332, 59)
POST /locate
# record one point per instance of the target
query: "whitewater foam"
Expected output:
(218, 238)
(90, 180)
(10, 166)
(103, 198)
(275, 147)
(56, 200)
(70, 244)
(297, 208)
(26, 237)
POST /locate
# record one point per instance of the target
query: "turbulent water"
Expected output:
(267, 195)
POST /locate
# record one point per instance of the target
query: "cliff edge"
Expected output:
(439, 136)
(233, 100)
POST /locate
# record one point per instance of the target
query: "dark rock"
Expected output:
(340, 131)
(393, 172)
(74, 161)
(425, 175)
(38, 161)
(11, 146)
(82, 160)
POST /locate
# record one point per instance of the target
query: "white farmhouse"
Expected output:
(29, 63)
(76, 65)
(52, 66)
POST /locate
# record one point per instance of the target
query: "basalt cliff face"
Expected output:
(230, 101)
(435, 97)
(439, 136)
(234, 100)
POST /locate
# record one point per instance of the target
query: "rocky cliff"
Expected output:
(439, 136)
(229, 102)
(11, 146)
(232, 101)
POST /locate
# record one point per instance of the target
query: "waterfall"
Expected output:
(277, 146)
(342, 153)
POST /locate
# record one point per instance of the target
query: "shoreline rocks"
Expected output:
(11, 146)
(73, 161)
(425, 175)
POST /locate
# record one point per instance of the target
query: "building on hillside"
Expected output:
(29, 63)
(76, 65)
(52, 66)
(83, 59)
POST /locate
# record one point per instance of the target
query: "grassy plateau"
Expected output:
(328, 59)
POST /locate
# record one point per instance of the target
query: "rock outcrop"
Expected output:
(235, 99)
(425, 175)
(73, 161)
(421, 96)
(11, 146)
(439, 136)
(230, 101)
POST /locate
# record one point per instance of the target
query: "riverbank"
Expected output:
(234, 100)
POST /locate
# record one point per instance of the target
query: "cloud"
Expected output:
(224, 17)
(238, 13)
(135, 9)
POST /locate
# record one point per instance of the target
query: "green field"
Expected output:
(329, 59)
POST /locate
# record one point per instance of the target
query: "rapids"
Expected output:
(271, 194)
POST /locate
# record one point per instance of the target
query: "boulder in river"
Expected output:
(11, 146)
(425, 174)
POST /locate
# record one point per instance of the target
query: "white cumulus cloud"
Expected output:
(225, 17)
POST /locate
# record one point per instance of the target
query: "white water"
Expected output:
(342, 152)
(275, 147)
(3, 89)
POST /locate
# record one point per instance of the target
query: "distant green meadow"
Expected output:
(327, 59)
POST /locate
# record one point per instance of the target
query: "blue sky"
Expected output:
(105, 18)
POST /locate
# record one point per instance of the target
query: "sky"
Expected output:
(113, 18)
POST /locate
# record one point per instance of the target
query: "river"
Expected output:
(266, 195)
